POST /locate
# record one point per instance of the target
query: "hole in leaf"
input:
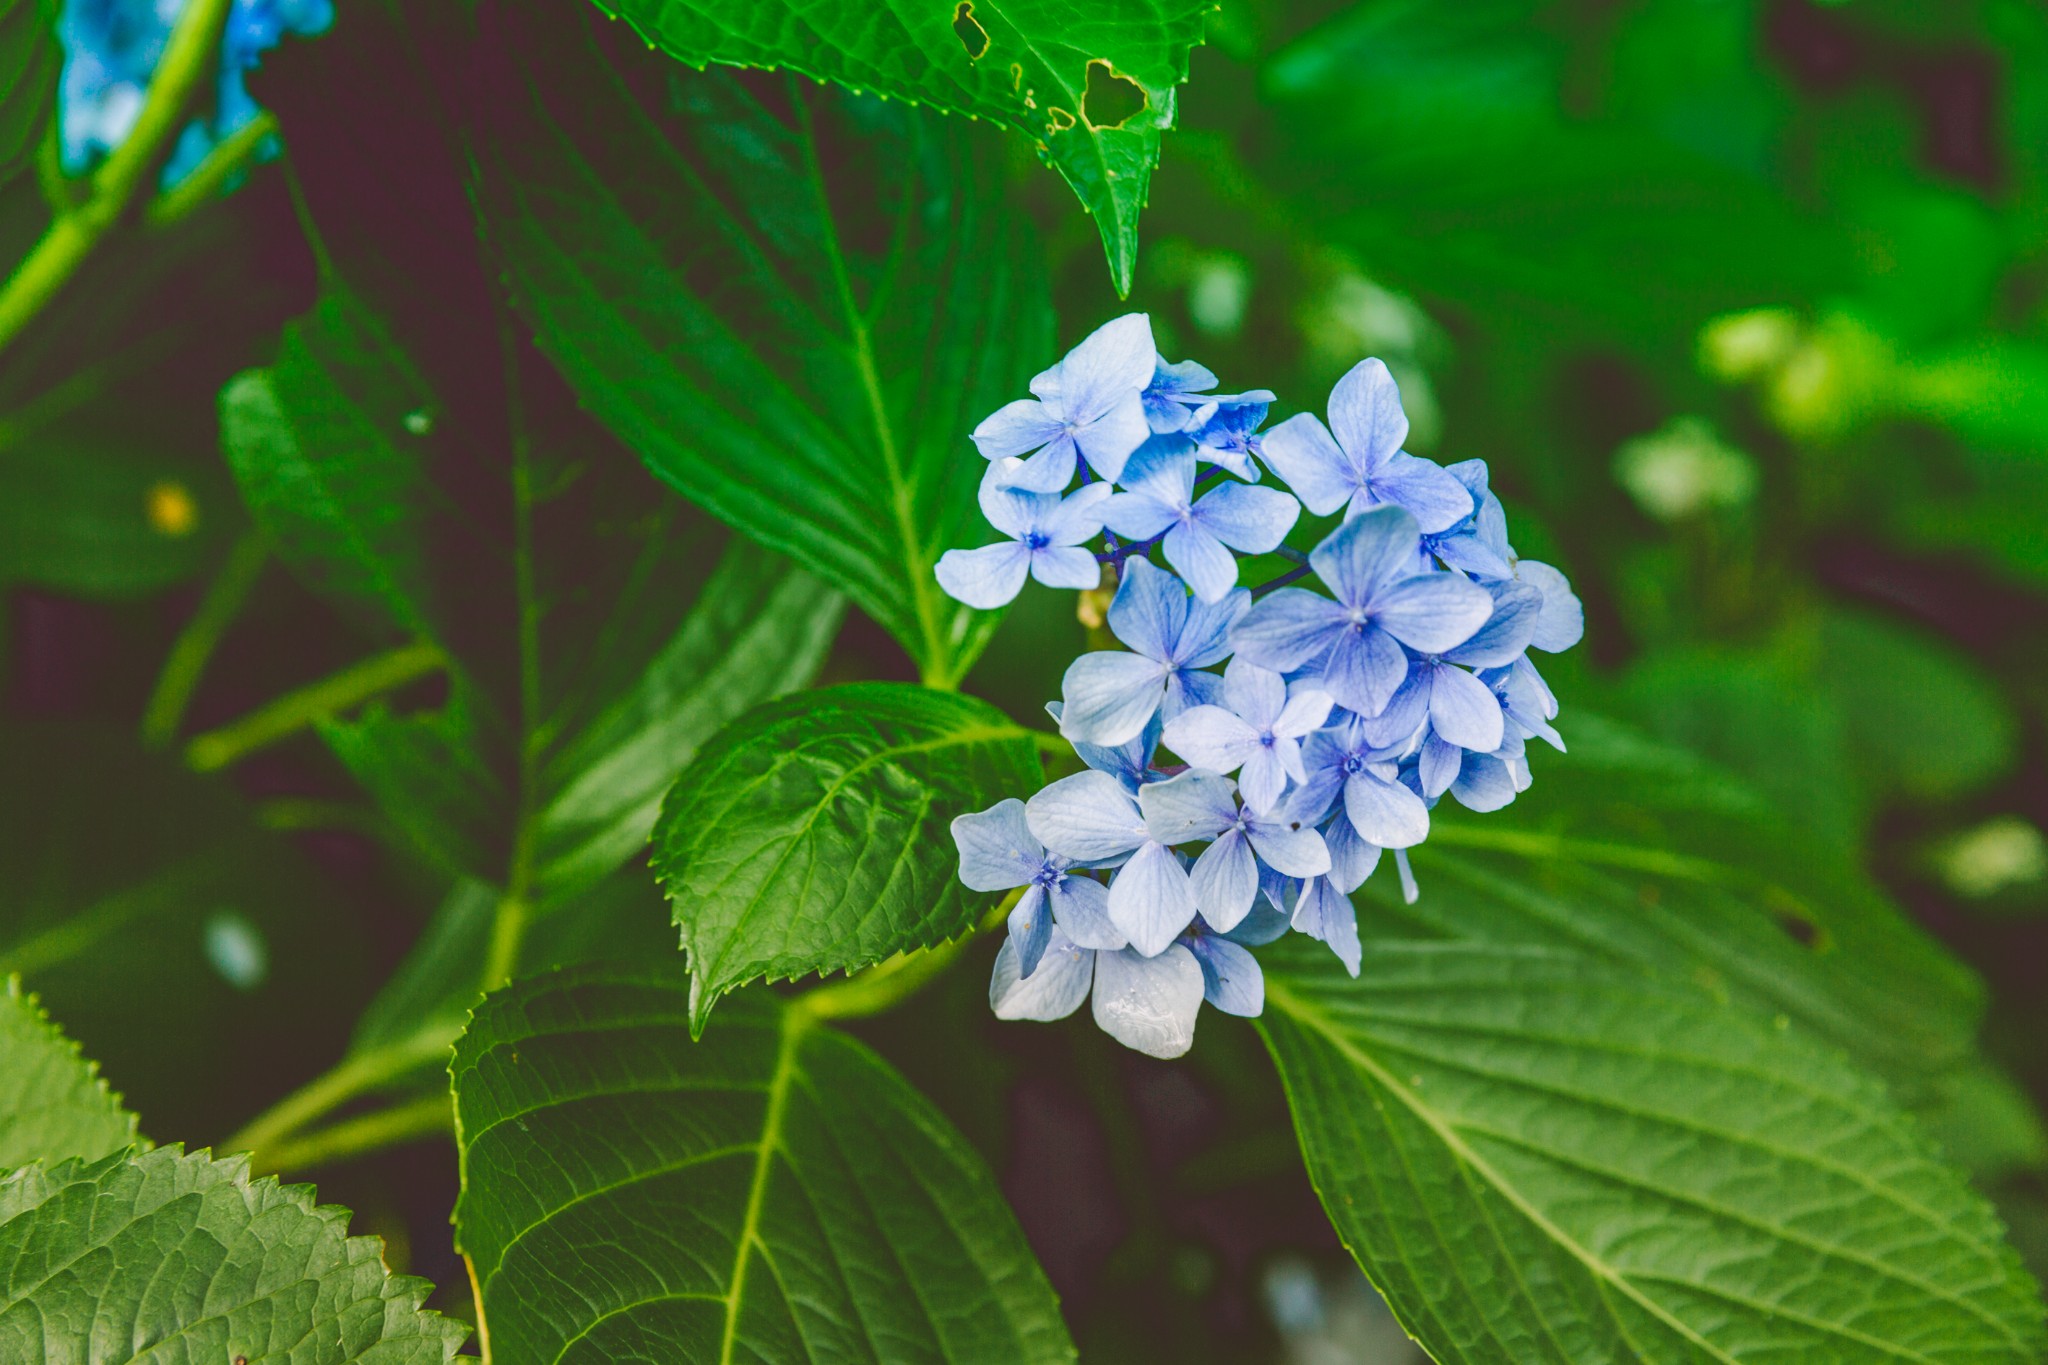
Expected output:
(1061, 119)
(1799, 929)
(1111, 100)
(969, 31)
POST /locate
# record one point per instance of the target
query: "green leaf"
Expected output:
(29, 62)
(1033, 66)
(594, 635)
(55, 1105)
(165, 1256)
(1541, 1158)
(773, 1193)
(1654, 860)
(794, 303)
(812, 834)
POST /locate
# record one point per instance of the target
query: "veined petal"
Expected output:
(1464, 711)
(1468, 554)
(1030, 927)
(1263, 779)
(1150, 610)
(1366, 415)
(1301, 451)
(1289, 628)
(1257, 694)
(1433, 612)
(1407, 711)
(1113, 361)
(1385, 813)
(1055, 989)
(1149, 1003)
(1206, 638)
(1014, 429)
(1195, 805)
(997, 848)
(1078, 517)
(1352, 859)
(1211, 737)
(1151, 899)
(1323, 912)
(1364, 669)
(1137, 516)
(1247, 518)
(986, 578)
(1049, 471)
(1361, 557)
(1438, 765)
(1201, 559)
(1516, 609)
(1080, 907)
(1484, 783)
(1226, 881)
(1562, 622)
(1108, 442)
(1231, 979)
(1065, 566)
(1187, 689)
(1428, 490)
(1010, 509)
(1296, 851)
(1305, 712)
(1163, 468)
(1088, 817)
(1109, 695)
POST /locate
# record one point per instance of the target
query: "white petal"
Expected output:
(1053, 991)
(986, 578)
(1088, 817)
(1149, 1003)
(1193, 805)
(1108, 696)
(1150, 899)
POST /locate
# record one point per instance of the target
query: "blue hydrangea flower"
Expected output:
(1457, 705)
(1354, 642)
(1091, 818)
(999, 853)
(1109, 695)
(1258, 729)
(1364, 466)
(1226, 432)
(1174, 395)
(1046, 532)
(1130, 762)
(1526, 700)
(1324, 912)
(1089, 406)
(1343, 763)
(1200, 532)
(1231, 978)
(1562, 622)
(1146, 1003)
(1477, 544)
(1200, 806)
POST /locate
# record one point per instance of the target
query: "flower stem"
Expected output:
(294, 711)
(195, 644)
(71, 236)
(427, 1116)
(354, 1076)
(223, 163)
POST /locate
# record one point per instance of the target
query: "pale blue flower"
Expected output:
(1089, 406)
(998, 852)
(1200, 533)
(1364, 466)
(1258, 729)
(1457, 705)
(1146, 1003)
(1226, 432)
(1046, 532)
(1225, 879)
(1355, 641)
(1476, 544)
(1343, 763)
(1091, 818)
(1130, 762)
(1110, 695)
(1175, 394)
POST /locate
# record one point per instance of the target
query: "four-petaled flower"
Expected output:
(1258, 729)
(1047, 532)
(1175, 395)
(1200, 532)
(1364, 466)
(1110, 694)
(1089, 406)
(1225, 878)
(999, 853)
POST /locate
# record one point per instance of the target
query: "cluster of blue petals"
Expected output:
(112, 48)
(1218, 810)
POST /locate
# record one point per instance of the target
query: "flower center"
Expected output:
(1048, 875)
(1036, 540)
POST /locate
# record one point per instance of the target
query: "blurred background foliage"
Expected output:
(1744, 301)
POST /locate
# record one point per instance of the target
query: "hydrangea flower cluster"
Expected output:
(1343, 712)
(112, 48)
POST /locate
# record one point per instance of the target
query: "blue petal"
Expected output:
(1384, 813)
(1563, 620)
(1206, 638)
(1323, 912)
(1109, 696)
(1484, 783)
(1015, 429)
(1252, 520)
(1352, 859)
(1231, 979)
(1366, 415)
(1056, 988)
(1080, 907)
(997, 848)
(1211, 737)
(1078, 517)
(1112, 364)
(1226, 881)
(986, 578)
(1107, 442)
(1264, 924)
(1364, 669)
(1302, 453)
(1195, 805)
(1464, 711)
(1088, 817)
(1432, 613)
(1030, 927)
(1287, 629)
(1290, 847)
(1065, 566)
(1150, 610)
(1369, 551)
(1209, 569)
(1151, 899)
(1429, 491)
(1516, 609)
(1438, 765)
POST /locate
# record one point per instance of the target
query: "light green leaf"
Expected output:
(773, 1193)
(168, 1257)
(1091, 85)
(812, 834)
(595, 635)
(794, 303)
(54, 1104)
(29, 62)
(1537, 1157)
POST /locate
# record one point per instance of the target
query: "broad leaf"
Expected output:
(169, 1257)
(54, 1105)
(1539, 1158)
(793, 302)
(30, 59)
(1031, 65)
(593, 637)
(812, 834)
(774, 1193)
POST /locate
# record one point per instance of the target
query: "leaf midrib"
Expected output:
(794, 1023)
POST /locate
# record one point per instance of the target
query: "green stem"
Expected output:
(290, 814)
(352, 1077)
(893, 980)
(195, 644)
(427, 1116)
(296, 710)
(71, 236)
(508, 932)
(227, 160)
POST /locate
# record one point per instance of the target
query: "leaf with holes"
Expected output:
(164, 1256)
(773, 1193)
(812, 834)
(792, 302)
(1092, 86)
(1537, 1157)
(54, 1105)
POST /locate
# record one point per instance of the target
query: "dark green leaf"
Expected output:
(594, 635)
(794, 303)
(1092, 87)
(1540, 1158)
(29, 62)
(774, 1193)
(54, 1105)
(812, 834)
(168, 1257)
